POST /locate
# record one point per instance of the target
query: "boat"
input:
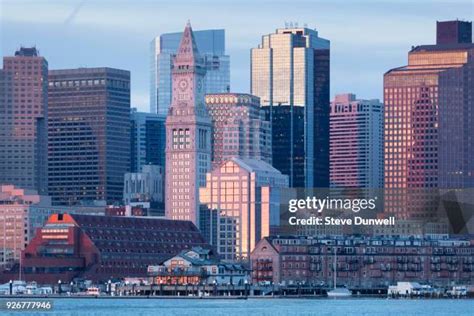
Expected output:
(338, 291)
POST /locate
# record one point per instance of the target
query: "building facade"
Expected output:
(239, 128)
(148, 140)
(290, 69)
(244, 195)
(23, 120)
(88, 134)
(427, 125)
(145, 187)
(356, 142)
(71, 246)
(23, 212)
(363, 262)
(188, 134)
(211, 46)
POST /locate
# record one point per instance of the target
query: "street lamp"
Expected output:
(245, 288)
(11, 287)
(215, 287)
(59, 287)
(109, 287)
(72, 286)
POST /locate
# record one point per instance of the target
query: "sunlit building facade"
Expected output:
(244, 194)
(290, 68)
(211, 46)
(23, 120)
(427, 126)
(188, 134)
(239, 128)
(356, 142)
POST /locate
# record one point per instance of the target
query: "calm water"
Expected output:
(270, 307)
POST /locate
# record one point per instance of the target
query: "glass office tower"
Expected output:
(211, 46)
(290, 68)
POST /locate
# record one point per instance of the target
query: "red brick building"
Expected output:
(363, 261)
(104, 247)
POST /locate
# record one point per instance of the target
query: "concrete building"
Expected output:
(23, 212)
(145, 187)
(427, 124)
(188, 134)
(79, 246)
(244, 195)
(24, 119)
(211, 46)
(239, 128)
(356, 142)
(88, 134)
(363, 262)
(290, 69)
(148, 140)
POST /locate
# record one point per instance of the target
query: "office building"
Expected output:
(148, 140)
(211, 46)
(239, 128)
(88, 134)
(427, 126)
(290, 69)
(356, 142)
(244, 194)
(188, 134)
(23, 120)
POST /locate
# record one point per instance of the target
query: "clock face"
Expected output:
(183, 84)
(199, 85)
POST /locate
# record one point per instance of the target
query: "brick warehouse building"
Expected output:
(363, 262)
(103, 247)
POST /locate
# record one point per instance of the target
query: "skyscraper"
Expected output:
(188, 133)
(428, 122)
(148, 140)
(356, 142)
(245, 195)
(211, 46)
(88, 134)
(290, 68)
(239, 128)
(23, 120)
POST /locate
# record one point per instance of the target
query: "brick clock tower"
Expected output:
(188, 133)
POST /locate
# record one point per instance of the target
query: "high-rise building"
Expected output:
(148, 140)
(356, 142)
(244, 194)
(88, 134)
(188, 133)
(211, 46)
(453, 32)
(23, 120)
(290, 68)
(427, 127)
(239, 128)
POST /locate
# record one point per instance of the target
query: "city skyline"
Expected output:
(75, 24)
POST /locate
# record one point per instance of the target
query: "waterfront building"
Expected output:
(356, 142)
(244, 195)
(211, 46)
(99, 248)
(363, 262)
(290, 69)
(23, 120)
(239, 128)
(427, 125)
(188, 134)
(148, 140)
(23, 211)
(145, 187)
(197, 266)
(88, 134)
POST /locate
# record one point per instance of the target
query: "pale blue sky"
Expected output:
(368, 37)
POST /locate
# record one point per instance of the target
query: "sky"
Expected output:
(368, 37)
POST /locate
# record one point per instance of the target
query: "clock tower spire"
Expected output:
(188, 133)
